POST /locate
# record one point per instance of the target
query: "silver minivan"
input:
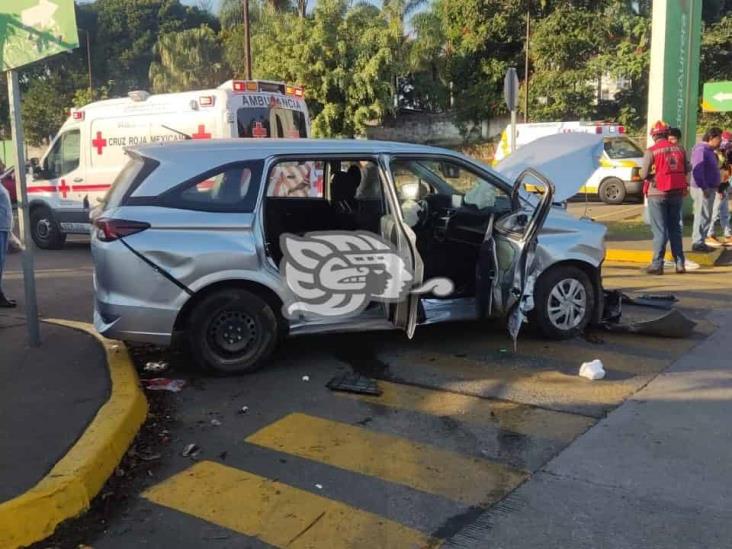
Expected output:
(189, 240)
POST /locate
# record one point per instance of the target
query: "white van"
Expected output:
(618, 176)
(89, 151)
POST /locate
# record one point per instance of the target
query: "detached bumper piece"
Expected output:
(354, 383)
(649, 314)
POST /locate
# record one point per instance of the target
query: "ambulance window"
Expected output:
(622, 147)
(64, 156)
(227, 189)
(256, 122)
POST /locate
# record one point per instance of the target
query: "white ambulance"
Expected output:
(84, 158)
(618, 176)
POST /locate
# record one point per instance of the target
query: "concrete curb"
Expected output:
(645, 256)
(67, 490)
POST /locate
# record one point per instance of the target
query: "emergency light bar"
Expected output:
(77, 115)
(207, 100)
(267, 87)
(138, 95)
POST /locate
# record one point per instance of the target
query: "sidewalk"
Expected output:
(48, 396)
(653, 474)
(68, 412)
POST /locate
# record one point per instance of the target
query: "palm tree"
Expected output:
(187, 60)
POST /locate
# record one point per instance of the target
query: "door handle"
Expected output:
(78, 179)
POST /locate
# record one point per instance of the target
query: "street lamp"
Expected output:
(88, 62)
(247, 41)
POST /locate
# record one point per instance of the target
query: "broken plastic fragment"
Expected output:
(164, 384)
(592, 370)
(319, 486)
(243, 410)
(190, 450)
(306, 378)
(156, 367)
(215, 422)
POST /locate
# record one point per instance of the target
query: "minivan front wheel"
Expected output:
(232, 331)
(564, 302)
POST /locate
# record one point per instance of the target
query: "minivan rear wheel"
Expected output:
(564, 301)
(45, 230)
(232, 331)
(612, 191)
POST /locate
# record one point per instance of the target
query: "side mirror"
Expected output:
(450, 171)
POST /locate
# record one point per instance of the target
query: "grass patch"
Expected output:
(635, 230)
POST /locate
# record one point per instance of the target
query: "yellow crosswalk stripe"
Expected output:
(510, 416)
(276, 513)
(471, 481)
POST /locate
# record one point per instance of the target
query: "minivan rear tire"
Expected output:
(232, 331)
(612, 191)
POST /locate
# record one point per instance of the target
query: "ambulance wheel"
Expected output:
(612, 191)
(45, 230)
(563, 302)
(232, 331)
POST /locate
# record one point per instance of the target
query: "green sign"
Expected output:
(674, 75)
(34, 29)
(717, 97)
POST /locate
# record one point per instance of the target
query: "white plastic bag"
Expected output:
(592, 370)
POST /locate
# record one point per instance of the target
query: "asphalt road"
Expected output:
(463, 420)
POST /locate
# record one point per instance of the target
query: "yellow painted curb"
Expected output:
(69, 487)
(646, 256)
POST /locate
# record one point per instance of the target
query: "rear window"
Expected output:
(124, 180)
(267, 122)
(621, 147)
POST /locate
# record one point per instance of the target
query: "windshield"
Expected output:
(622, 147)
(261, 122)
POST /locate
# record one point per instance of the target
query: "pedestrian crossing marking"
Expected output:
(278, 514)
(464, 479)
(509, 416)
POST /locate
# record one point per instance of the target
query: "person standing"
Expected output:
(720, 211)
(6, 226)
(705, 179)
(664, 172)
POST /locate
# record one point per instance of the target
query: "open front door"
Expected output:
(402, 314)
(515, 248)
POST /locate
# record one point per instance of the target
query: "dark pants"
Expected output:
(4, 238)
(664, 213)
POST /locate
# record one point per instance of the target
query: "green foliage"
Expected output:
(187, 60)
(716, 64)
(45, 106)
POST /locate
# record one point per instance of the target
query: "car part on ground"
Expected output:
(640, 318)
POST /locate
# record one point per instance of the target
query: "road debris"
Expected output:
(164, 384)
(191, 450)
(156, 367)
(319, 486)
(243, 410)
(592, 370)
(215, 422)
(306, 378)
(671, 323)
(354, 383)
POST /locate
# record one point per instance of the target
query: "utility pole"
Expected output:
(526, 61)
(247, 41)
(88, 63)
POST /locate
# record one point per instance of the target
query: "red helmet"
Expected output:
(659, 128)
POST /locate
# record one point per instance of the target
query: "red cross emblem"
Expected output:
(259, 131)
(99, 143)
(201, 133)
(63, 188)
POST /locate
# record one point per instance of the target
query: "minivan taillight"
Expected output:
(113, 229)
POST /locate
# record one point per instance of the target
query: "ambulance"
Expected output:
(617, 178)
(89, 151)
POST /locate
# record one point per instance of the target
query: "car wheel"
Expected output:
(45, 231)
(612, 191)
(232, 331)
(564, 302)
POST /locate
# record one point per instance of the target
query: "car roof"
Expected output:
(261, 148)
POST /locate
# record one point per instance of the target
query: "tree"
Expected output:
(187, 60)
(127, 30)
(716, 64)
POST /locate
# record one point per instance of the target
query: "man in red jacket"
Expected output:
(664, 171)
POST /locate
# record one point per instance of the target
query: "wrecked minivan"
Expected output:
(228, 245)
